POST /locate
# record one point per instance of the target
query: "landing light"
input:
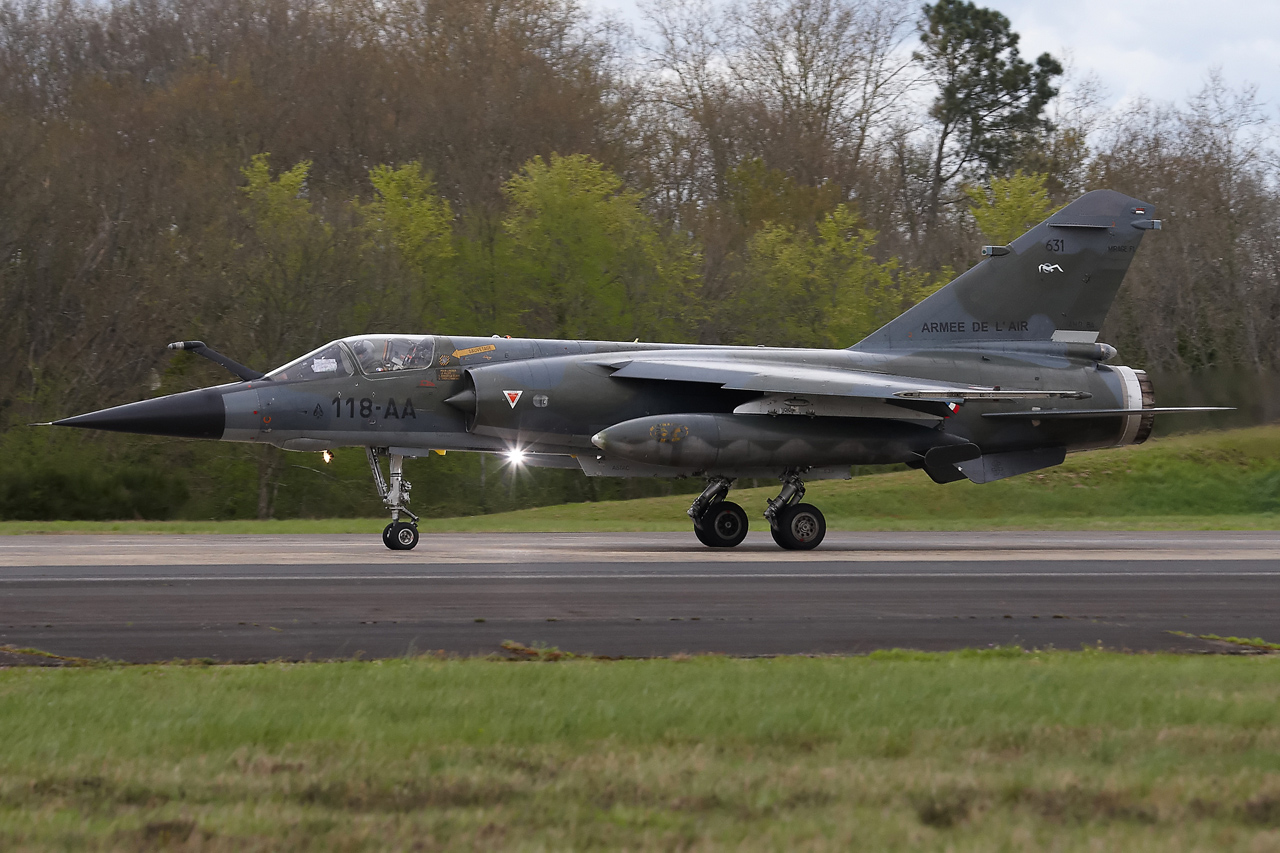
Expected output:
(516, 456)
(327, 456)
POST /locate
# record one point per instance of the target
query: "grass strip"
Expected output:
(978, 750)
(41, 654)
(1247, 642)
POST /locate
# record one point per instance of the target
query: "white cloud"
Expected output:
(1163, 49)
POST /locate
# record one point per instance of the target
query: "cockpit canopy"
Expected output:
(382, 353)
(373, 355)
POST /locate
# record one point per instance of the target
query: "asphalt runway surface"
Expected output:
(243, 598)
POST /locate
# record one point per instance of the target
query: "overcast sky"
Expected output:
(1160, 48)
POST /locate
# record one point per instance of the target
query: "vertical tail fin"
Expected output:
(1054, 283)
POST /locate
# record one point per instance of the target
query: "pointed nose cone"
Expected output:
(192, 414)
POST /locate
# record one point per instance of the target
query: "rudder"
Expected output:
(1054, 283)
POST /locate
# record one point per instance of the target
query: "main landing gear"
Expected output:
(398, 535)
(795, 526)
(719, 523)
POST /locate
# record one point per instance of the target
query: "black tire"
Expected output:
(722, 525)
(800, 528)
(401, 536)
(702, 536)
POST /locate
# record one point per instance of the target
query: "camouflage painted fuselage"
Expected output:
(565, 392)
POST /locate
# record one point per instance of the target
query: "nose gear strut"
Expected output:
(398, 535)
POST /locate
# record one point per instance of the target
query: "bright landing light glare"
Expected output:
(515, 457)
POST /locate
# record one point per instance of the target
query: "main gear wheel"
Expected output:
(799, 528)
(723, 524)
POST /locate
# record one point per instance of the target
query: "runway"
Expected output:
(246, 598)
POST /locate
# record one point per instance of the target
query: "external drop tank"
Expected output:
(715, 441)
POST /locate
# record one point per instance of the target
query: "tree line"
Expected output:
(267, 175)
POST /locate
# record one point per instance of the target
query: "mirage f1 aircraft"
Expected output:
(998, 373)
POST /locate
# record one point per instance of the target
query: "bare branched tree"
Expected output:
(1209, 294)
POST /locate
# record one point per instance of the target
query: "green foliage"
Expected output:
(989, 99)
(45, 490)
(589, 261)
(291, 271)
(279, 209)
(408, 217)
(988, 114)
(46, 475)
(760, 195)
(408, 213)
(1010, 206)
(824, 288)
(490, 299)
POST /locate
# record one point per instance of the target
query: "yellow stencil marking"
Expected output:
(459, 353)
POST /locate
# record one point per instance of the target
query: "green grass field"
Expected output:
(1214, 480)
(996, 750)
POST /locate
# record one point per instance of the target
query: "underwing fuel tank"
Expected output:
(713, 441)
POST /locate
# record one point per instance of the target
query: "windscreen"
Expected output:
(386, 353)
(327, 362)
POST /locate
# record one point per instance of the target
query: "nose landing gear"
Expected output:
(398, 535)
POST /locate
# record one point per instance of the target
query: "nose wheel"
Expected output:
(398, 535)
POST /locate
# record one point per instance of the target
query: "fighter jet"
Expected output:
(996, 374)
